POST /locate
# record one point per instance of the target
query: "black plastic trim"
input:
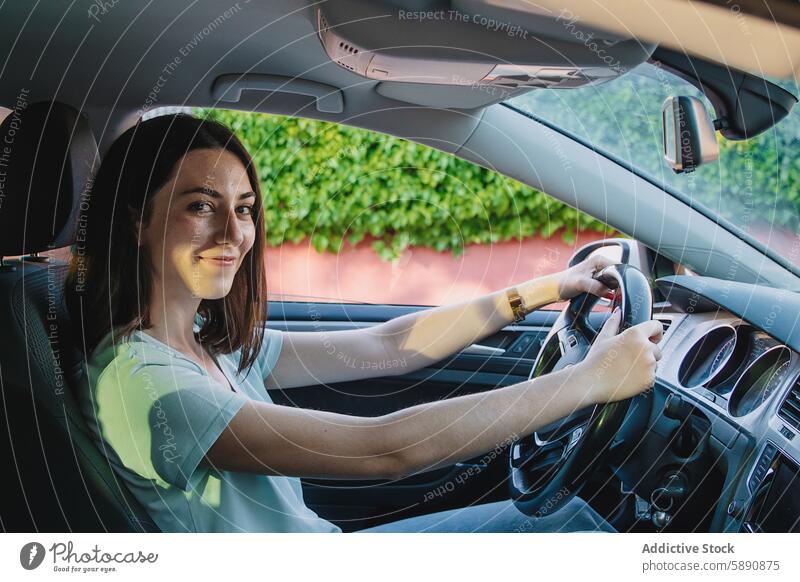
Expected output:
(775, 311)
(369, 312)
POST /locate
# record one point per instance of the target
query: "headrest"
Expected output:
(47, 153)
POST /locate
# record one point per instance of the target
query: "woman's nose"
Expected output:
(229, 229)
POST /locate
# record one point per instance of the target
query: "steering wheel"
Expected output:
(549, 467)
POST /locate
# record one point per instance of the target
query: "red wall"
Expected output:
(420, 276)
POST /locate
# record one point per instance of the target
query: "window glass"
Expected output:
(357, 216)
(755, 184)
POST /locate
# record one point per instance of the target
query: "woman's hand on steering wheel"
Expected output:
(620, 366)
(580, 278)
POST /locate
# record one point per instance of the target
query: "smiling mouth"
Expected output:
(219, 261)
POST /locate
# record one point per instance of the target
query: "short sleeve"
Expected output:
(160, 414)
(270, 350)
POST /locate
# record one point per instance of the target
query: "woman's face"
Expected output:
(201, 226)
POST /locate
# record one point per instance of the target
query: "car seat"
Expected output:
(55, 477)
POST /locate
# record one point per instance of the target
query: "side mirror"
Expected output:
(689, 135)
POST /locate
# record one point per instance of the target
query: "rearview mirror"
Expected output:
(689, 135)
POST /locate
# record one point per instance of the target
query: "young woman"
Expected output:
(167, 291)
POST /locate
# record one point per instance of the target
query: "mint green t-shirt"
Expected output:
(155, 413)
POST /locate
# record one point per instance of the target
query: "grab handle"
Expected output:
(229, 88)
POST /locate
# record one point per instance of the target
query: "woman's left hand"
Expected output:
(579, 279)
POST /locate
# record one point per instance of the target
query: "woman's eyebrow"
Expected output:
(213, 193)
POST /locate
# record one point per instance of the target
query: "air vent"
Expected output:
(790, 408)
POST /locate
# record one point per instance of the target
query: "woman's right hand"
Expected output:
(620, 366)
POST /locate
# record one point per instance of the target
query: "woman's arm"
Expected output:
(417, 340)
(400, 345)
(423, 338)
(278, 440)
(429, 336)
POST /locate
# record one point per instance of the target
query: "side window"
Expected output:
(358, 216)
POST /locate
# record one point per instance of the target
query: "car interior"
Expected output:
(713, 447)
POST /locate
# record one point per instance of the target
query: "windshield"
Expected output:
(755, 184)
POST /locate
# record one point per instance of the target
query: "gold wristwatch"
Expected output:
(517, 304)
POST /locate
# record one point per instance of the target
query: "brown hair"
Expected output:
(109, 280)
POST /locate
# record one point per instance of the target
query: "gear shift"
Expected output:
(685, 439)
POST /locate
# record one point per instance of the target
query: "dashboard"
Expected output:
(747, 384)
(721, 435)
(732, 364)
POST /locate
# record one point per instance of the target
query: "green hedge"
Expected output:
(334, 183)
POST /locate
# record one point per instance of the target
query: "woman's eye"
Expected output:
(245, 210)
(200, 206)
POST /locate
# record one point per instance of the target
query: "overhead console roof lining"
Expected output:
(756, 304)
(483, 52)
(449, 96)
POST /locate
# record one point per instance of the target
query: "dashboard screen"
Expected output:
(781, 510)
